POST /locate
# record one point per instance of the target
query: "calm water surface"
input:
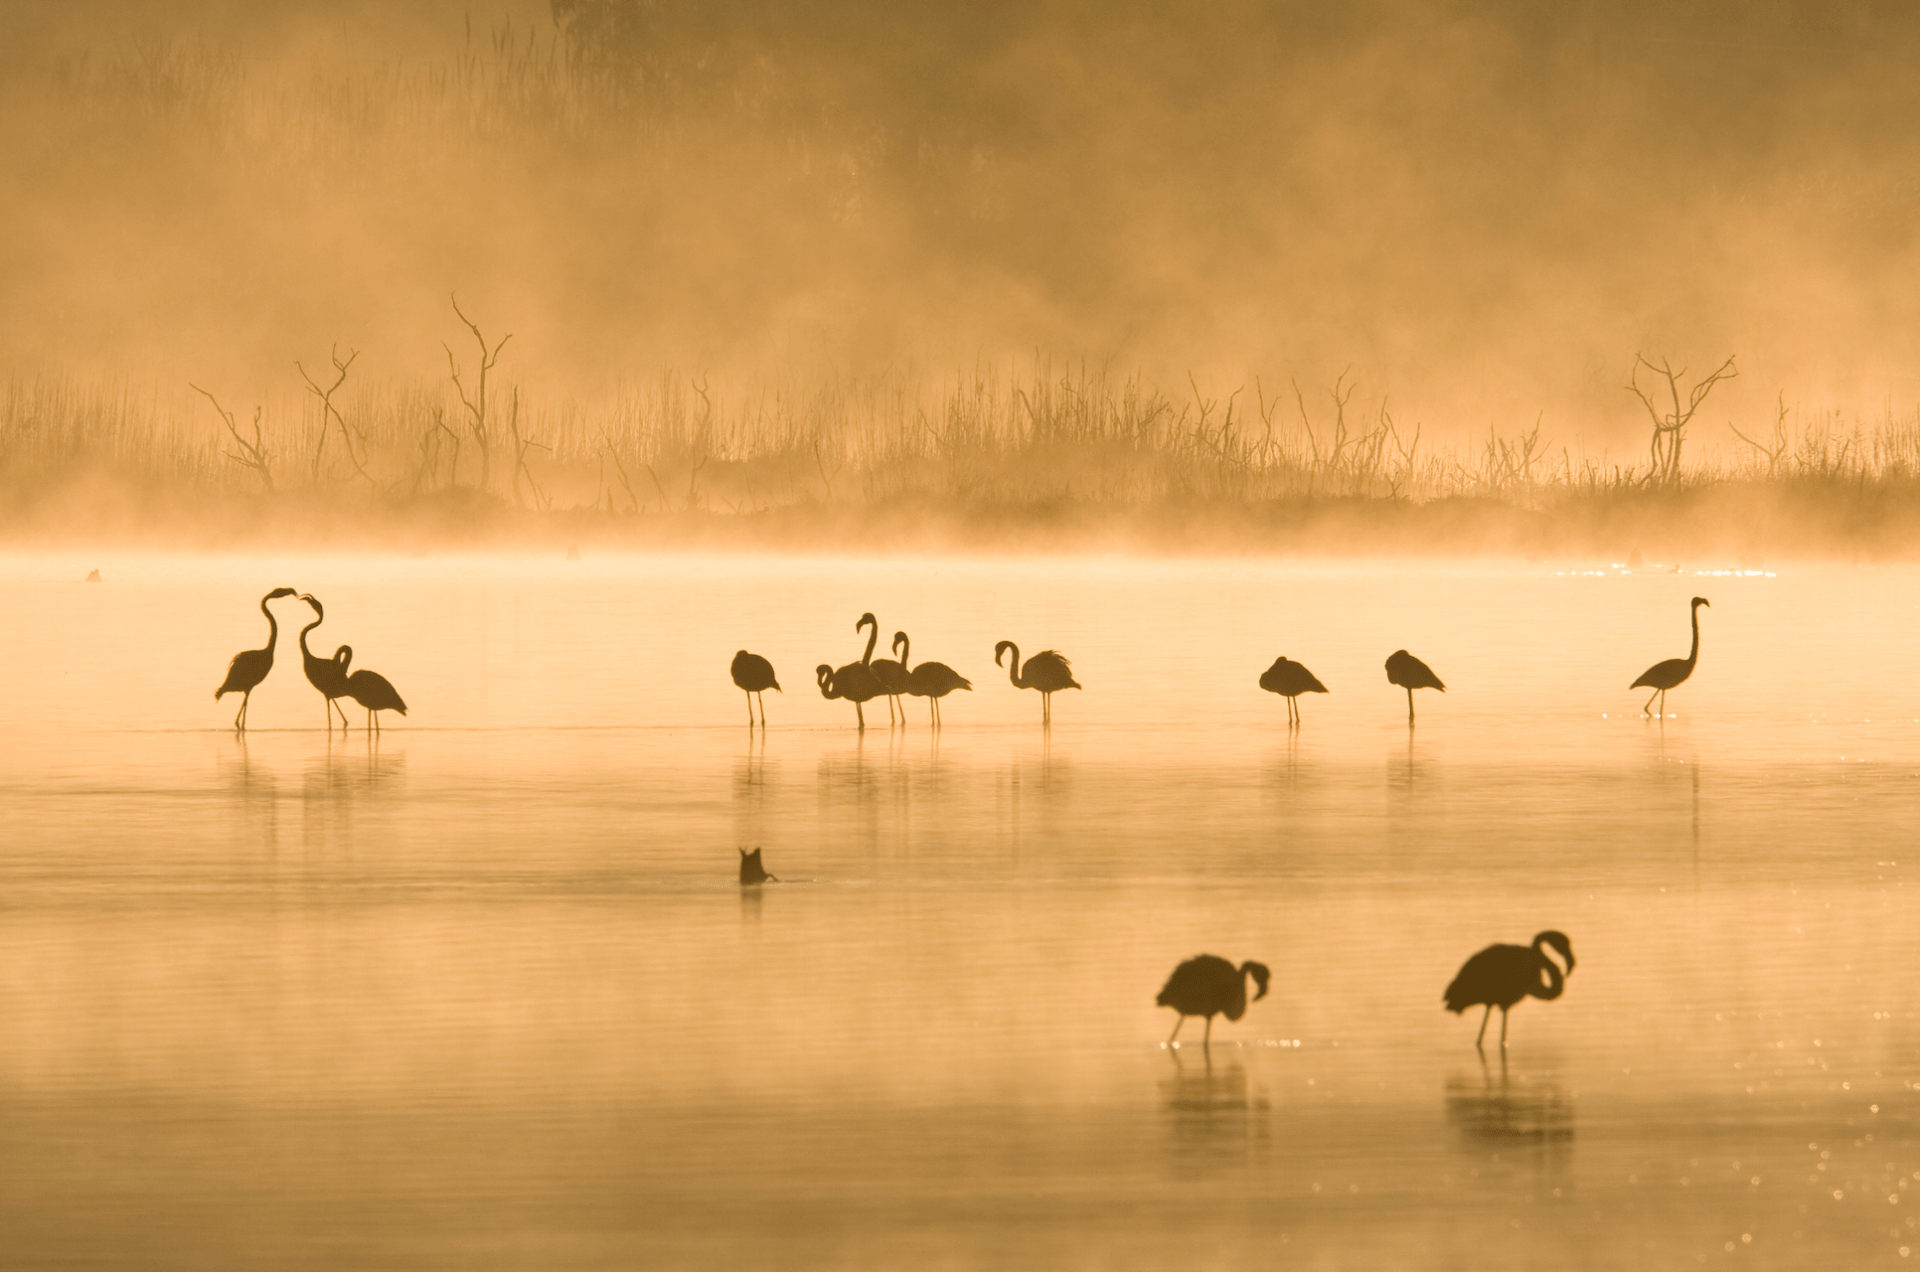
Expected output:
(484, 993)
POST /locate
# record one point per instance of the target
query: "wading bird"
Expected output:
(1289, 679)
(854, 682)
(1501, 975)
(751, 871)
(755, 675)
(891, 675)
(1672, 673)
(1410, 673)
(323, 673)
(1208, 985)
(930, 680)
(250, 666)
(368, 688)
(1048, 671)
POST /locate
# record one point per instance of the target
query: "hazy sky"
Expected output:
(1485, 209)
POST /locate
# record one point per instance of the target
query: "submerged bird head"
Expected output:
(1259, 973)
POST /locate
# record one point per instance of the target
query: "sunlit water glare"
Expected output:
(485, 993)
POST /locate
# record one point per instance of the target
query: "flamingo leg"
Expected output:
(749, 709)
(1409, 706)
(1503, 1030)
(1482, 1037)
(240, 716)
(1206, 1039)
(861, 715)
(1648, 708)
(1176, 1030)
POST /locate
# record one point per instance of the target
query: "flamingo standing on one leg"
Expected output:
(1048, 671)
(1410, 673)
(250, 666)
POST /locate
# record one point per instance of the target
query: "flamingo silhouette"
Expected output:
(323, 673)
(1289, 679)
(1048, 671)
(368, 688)
(891, 675)
(854, 682)
(1501, 975)
(1207, 985)
(755, 675)
(1410, 673)
(930, 680)
(1672, 673)
(250, 666)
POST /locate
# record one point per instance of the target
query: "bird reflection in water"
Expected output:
(1502, 1115)
(349, 769)
(1213, 1116)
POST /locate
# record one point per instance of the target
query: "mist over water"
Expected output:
(484, 990)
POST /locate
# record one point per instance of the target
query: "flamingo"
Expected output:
(1410, 673)
(1048, 671)
(1672, 673)
(1290, 679)
(250, 666)
(1207, 985)
(1501, 975)
(854, 682)
(368, 688)
(891, 675)
(755, 675)
(323, 673)
(930, 680)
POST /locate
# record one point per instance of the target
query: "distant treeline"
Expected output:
(1043, 456)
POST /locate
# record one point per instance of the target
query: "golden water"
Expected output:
(485, 993)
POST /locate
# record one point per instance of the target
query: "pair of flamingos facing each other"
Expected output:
(1498, 976)
(861, 682)
(329, 675)
(1290, 679)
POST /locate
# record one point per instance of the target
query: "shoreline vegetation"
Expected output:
(1046, 460)
(1041, 457)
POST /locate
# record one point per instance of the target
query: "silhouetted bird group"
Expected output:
(331, 676)
(1498, 976)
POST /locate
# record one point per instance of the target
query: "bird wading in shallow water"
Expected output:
(930, 680)
(1289, 679)
(1410, 673)
(892, 675)
(250, 666)
(1501, 975)
(755, 675)
(1207, 985)
(854, 682)
(368, 688)
(323, 673)
(1672, 673)
(1048, 671)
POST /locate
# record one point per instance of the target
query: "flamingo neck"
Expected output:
(1693, 654)
(273, 627)
(1013, 666)
(872, 636)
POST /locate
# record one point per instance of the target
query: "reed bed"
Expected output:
(982, 454)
